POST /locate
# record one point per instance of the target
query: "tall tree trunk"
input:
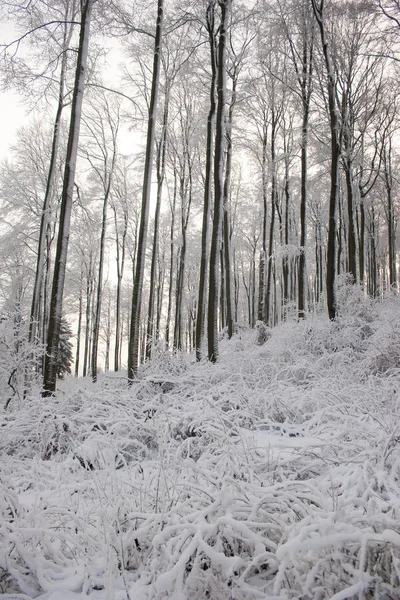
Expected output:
(373, 278)
(160, 179)
(263, 253)
(185, 212)
(212, 325)
(88, 313)
(226, 222)
(302, 269)
(306, 90)
(267, 315)
(120, 259)
(99, 293)
(79, 328)
(222, 298)
(56, 304)
(160, 293)
(348, 169)
(361, 242)
(40, 262)
(285, 260)
(133, 350)
(388, 178)
(171, 262)
(201, 302)
(108, 337)
(318, 7)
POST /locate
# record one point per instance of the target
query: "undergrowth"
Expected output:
(273, 474)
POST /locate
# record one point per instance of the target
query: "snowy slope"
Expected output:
(273, 474)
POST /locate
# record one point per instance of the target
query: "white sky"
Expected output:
(12, 116)
(12, 112)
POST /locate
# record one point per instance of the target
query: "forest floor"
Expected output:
(273, 474)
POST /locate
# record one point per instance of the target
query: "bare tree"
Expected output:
(102, 125)
(133, 351)
(334, 125)
(202, 296)
(212, 326)
(56, 305)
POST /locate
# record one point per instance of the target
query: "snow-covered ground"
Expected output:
(272, 474)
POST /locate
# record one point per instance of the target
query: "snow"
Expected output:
(274, 473)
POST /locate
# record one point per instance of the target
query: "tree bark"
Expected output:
(226, 223)
(160, 179)
(56, 304)
(133, 350)
(201, 302)
(97, 313)
(212, 325)
(40, 262)
(318, 8)
(171, 262)
(267, 313)
(79, 328)
(388, 177)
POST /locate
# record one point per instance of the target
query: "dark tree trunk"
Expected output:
(160, 180)
(263, 253)
(212, 325)
(201, 301)
(40, 262)
(318, 8)
(226, 220)
(79, 328)
(56, 304)
(267, 315)
(88, 324)
(388, 177)
(133, 350)
(120, 259)
(351, 231)
(97, 312)
(171, 262)
(302, 273)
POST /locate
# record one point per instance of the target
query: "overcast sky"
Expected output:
(12, 116)
(12, 113)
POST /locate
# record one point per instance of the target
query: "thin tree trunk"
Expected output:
(56, 304)
(305, 81)
(97, 313)
(79, 329)
(285, 261)
(120, 272)
(390, 213)
(201, 302)
(335, 155)
(160, 294)
(226, 223)
(171, 263)
(182, 260)
(160, 179)
(302, 273)
(40, 262)
(351, 233)
(222, 298)
(263, 253)
(267, 315)
(212, 325)
(133, 350)
(88, 325)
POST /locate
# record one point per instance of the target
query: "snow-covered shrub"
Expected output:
(263, 333)
(15, 355)
(273, 474)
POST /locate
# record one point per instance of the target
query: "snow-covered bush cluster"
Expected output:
(272, 474)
